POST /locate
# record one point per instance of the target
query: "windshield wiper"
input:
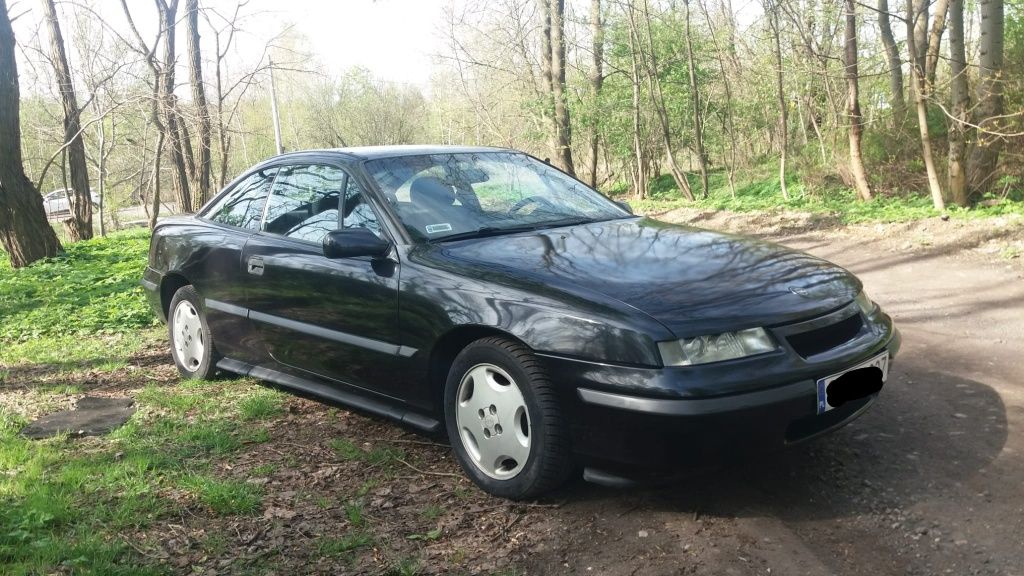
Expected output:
(496, 231)
(482, 232)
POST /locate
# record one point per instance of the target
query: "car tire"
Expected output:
(191, 341)
(504, 421)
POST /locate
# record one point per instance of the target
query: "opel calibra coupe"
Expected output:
(545, 328)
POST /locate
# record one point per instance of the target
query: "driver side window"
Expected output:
(304, 202)
(358, 212)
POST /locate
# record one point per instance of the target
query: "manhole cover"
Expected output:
(92, 416)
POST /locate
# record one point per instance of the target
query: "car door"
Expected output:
(215, 264)
(336, 318)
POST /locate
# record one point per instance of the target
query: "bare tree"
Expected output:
(79, 225)
(201, 173)
(988, 112)
(853, 114)
(935, 39)
(920, 99)
(960, 100)
(562, 126)
(24, 231)
(647, 60)
(596, 80)
(170, 127)
(772, 9)
(730, 121)
(698, 121)
(895, 63)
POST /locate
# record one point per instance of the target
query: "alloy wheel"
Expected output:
(493, 421)
(189, 345)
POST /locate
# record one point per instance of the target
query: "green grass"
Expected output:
(225, 497)
(759, 191)
(69, 506)
(261, 406)
(92, 288)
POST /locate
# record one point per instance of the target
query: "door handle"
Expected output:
(255, 266)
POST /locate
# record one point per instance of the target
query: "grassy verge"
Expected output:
(78, 324)
(758, 190)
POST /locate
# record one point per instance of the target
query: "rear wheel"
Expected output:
(504, 422)
(191, 342)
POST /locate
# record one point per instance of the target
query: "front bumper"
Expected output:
(150, 283)
(634, 421)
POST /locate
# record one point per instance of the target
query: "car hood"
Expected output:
(693, 281)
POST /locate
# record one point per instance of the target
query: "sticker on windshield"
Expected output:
(435, 228)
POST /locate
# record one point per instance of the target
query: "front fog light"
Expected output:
(715, 347)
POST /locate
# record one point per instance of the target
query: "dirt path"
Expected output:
(930, 481)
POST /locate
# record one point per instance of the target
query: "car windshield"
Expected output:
(448, 196)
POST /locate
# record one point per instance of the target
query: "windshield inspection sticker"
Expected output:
(435, 228)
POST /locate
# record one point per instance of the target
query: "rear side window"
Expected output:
(304, 202)
(243, 206)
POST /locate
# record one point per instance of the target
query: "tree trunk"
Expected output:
(201, 175)
(596, 80)
(960, 102)
(853, 114)
(24, 231)
(919, 18)
(650, 63)
(935, 40)
(920, 93)
(892, 56)
(773, 19)
(639, 174)
(730, 121)
(563, 129)
(165, 81)
(698, 122)
(154, 211)
(80, 199)
(981, 168)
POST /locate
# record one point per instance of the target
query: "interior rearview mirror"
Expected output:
(353, 242)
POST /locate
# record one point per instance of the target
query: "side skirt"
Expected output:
(331, 394)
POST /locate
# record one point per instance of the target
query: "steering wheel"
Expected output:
(540, 201)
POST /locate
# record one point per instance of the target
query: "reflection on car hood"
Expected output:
(691, 280)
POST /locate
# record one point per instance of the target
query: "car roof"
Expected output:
(376, 152)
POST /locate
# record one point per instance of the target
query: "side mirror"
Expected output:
(625, 206)
(353, 242)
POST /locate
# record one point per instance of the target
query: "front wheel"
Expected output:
(191, 341)
(504, 422)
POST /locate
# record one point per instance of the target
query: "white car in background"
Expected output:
(56, 203)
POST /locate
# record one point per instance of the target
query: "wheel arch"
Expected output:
(448, 346)
(171, 283)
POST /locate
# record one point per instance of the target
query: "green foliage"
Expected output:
(92, 288)
(761, 192)
(225, 497)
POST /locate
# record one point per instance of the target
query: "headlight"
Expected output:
(865, 303)
(716, 347)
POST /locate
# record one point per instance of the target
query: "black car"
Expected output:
(544, 326)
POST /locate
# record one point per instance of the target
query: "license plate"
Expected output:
(881, 361)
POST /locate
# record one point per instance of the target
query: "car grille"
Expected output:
(827, 337)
